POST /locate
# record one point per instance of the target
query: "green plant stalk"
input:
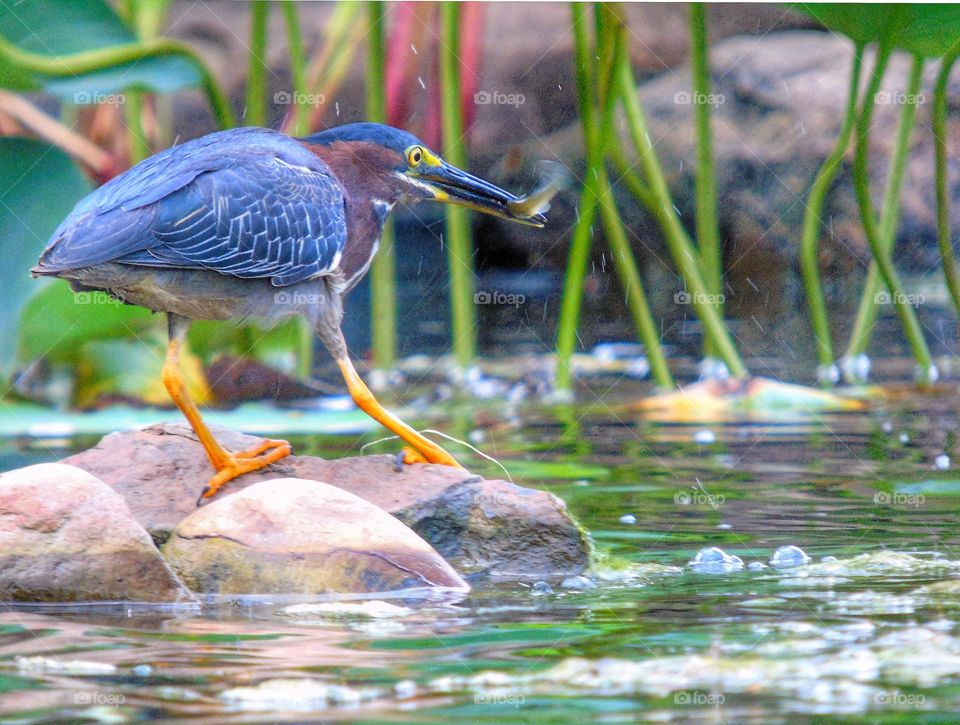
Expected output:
(943, 193)
(256, 114)
(579, 256)
(708, 234)
(626, 266)
(612, 42)
(145, 18)
(881, 239)
(89, 61)
(301, 126)
(383, 297)
(681, 248)
(889, 220)
(298, 68)
(810, 237)
(459, 246)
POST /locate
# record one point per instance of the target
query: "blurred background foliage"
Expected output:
(85, 91)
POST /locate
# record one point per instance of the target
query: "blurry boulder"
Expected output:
(290, 535)
(482, 527)
(66, 536)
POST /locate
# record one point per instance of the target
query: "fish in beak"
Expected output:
(454, 186)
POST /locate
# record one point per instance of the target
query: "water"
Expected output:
(866, 631)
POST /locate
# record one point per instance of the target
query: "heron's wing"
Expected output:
(265, 219)
(248, 205)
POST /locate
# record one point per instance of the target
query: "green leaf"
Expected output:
(39, 185)
(63, 27)
(928, 30)
(57, 322)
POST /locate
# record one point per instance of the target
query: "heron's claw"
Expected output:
(435, 454)
(253, 459)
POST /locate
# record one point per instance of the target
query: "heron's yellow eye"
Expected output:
(414, 155)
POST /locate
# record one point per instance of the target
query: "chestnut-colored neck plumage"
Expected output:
(366, 175)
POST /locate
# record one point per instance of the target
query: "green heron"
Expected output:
(253, 224)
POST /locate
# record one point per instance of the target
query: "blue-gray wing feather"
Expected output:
(247, 203)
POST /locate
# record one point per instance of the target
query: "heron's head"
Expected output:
(398, 164)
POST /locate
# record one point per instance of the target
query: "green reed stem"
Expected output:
(383, 295)
(613, 40)
(579, 256)
(681, 248)
(889, 221)
(708, 234)
(944, 241)
(626, 265)
(810, 238)
(306, 337)
(881, 239)
(257, 64)
(458, 242)
(298, 69)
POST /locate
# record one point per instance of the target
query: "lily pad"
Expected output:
(925, 29)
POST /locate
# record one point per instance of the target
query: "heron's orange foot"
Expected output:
(435, 454)
(253, 459)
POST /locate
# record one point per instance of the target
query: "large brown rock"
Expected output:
(66, 536)
(290, 535)
(480, 526)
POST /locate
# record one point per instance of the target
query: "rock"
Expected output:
(290, 535)
(479, 526)
(66, 536)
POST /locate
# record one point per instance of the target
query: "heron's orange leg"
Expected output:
(229, 465)
(421, 450)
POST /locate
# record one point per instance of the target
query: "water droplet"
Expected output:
(628, 519)
(787, 557)
(904, 438)
(142, 670)
(829, 374)
(713, 560)
(828, 558)
(704, 437)
(405, 688)
(540, 589)
(756, 566)
(577, 582)
(942, 462)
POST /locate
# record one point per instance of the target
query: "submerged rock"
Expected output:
(66, 536)
(295, 536)
(479, 526)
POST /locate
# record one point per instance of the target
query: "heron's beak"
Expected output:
(453, 186)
